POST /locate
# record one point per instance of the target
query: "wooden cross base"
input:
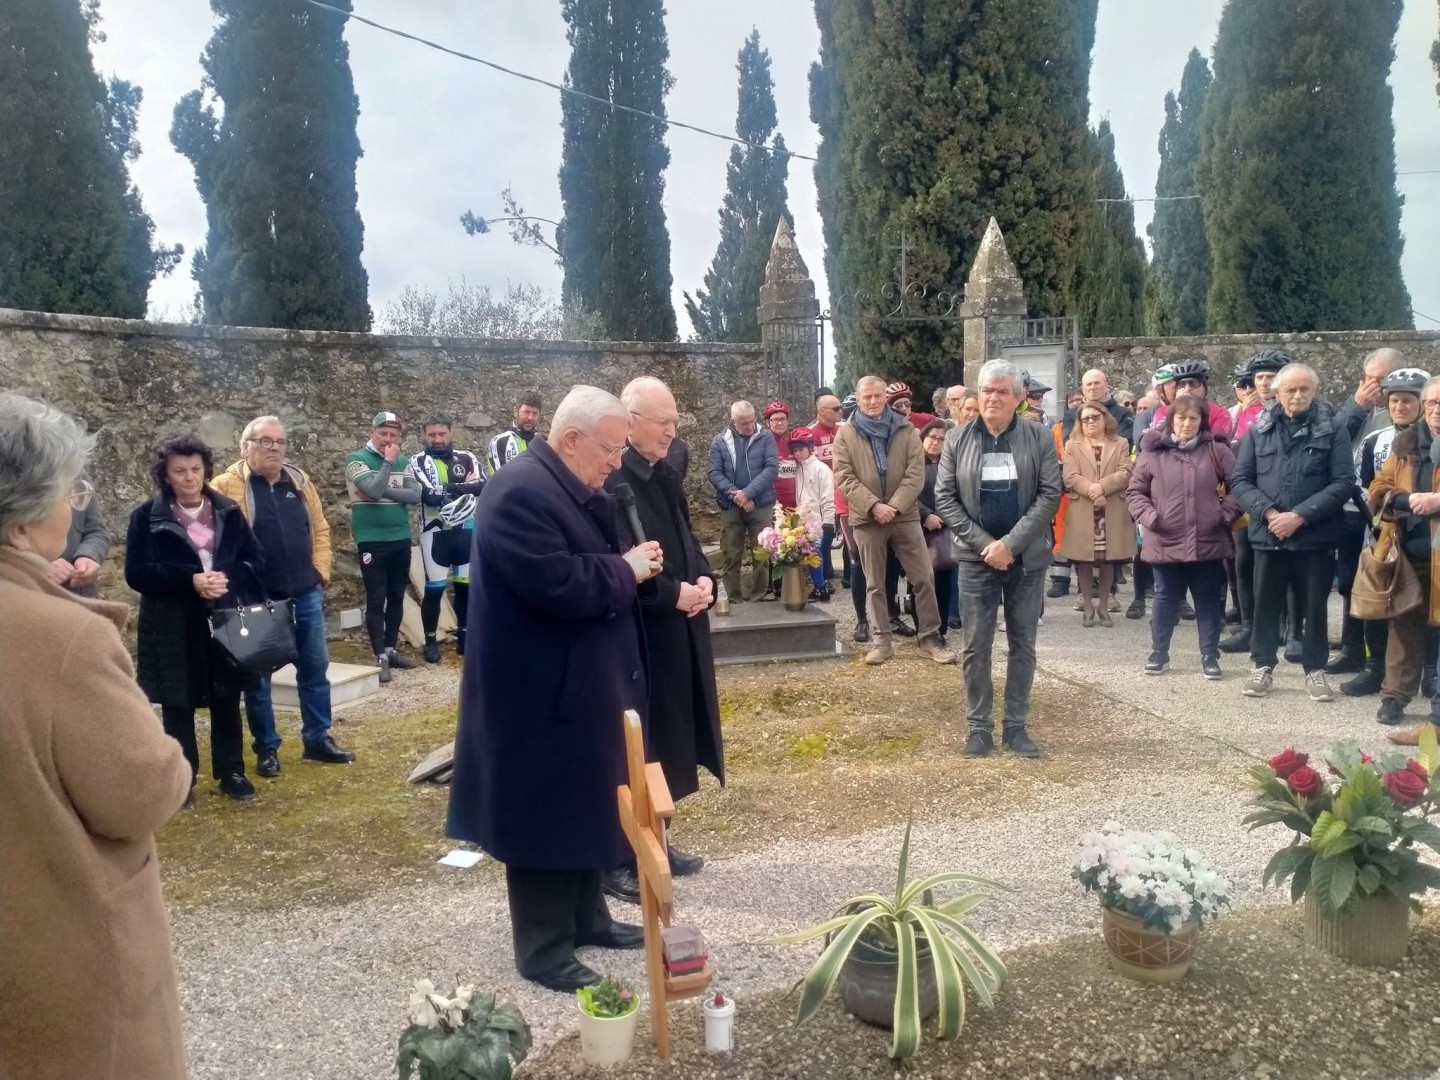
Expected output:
(645, 809)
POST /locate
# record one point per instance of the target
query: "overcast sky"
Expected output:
(443, 135)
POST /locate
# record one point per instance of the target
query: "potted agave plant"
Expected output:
(898, 960)
(1354, 856)
(609, 1013)
(465, 1037)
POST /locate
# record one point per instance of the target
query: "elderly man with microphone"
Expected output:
(540, 747)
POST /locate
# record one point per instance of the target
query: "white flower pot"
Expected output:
(607, 1040)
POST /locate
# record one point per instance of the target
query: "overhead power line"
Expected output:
(1424, 316)
(1179, 198)
(553, 86)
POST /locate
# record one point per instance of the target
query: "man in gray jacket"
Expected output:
(998, 488)
(743, 467)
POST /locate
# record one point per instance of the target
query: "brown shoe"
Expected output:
(932, 648)
(879, 652)
(1408, 737)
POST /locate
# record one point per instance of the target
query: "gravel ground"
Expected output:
(326, 986)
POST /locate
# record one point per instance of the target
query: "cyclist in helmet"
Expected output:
(1191, 377)
(901, 398)
(449, 481)
(1262, 369)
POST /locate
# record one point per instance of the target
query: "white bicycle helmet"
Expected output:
(456, 513)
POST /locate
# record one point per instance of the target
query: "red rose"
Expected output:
(1305, 782)
(1405, 787)
(1413, 766)
(1287, 762)
(1366, 758)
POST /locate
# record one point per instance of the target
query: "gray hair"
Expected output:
(1394, 357)
(867, 380)
(1430, 384)
(42, 452)
(1001, 369)
(636, 389)
(584, 407)
(255, 425)
(741, 408)
(1300, 369)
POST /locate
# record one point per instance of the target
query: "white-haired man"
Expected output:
(285, 513)
(997, 488)
(743, 466)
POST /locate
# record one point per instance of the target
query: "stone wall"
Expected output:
(1337, 356)
(134, 381)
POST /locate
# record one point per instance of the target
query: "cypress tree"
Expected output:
(755, 199)
(74, 236)
(1297, 169)
(612, 235)
(1110, 272)
(932, 118)
(277, 170)
(1182, 254)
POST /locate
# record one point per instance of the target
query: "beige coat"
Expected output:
(87, 971)
(859, 480)
(234, 484)
(1112, 473)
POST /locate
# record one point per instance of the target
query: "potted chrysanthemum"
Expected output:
(1155, 893)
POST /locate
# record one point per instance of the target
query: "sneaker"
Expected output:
(819, 595)
(1020, 744)
(1318, 687)
(979, 744)
(1114, 604)
(1080, 604)
(1260, 683)
(1391, 713)
(879, 653)
(1346, 662)
(901, 628)
(382, 661)
(862, 632)
(1187, 612)
(432, 651)
(398, 661)
(1238, 642)
(1136, 610)
(1058, 587)
(934, 648)
(1363, 685)
(1210, 667)
(1157, 663)
(238, 787)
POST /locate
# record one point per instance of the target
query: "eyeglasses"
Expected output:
(1091, 419)
(1431, 404)
(610, 451)
(1190, 384)
(669, 423)
(80, 495)
(267, 443)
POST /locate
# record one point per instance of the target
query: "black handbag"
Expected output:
(258, 639)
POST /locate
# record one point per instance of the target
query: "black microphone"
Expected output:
(626, 498)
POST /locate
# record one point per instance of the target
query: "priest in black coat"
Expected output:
(558, 656)
(682, 730)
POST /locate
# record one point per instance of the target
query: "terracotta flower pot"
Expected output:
(1147, 955)
(1375, 934)
(793, 592)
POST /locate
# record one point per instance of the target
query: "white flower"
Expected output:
(422, 1005)
(1132, 888)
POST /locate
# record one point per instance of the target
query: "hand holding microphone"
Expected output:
(645, 559)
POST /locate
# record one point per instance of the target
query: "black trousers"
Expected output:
(1245, 577)
(552, 912)
(385, 570)
(1309, 573)
(1206, 584)
(944, 586)
(827, 541)
(227, 743)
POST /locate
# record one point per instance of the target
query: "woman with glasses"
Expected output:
(1098, 531)
(188, 551)
(86, 778)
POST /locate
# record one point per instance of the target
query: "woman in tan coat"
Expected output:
(87, 972)
(1098, 529)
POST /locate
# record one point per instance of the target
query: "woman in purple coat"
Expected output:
(1179, 495)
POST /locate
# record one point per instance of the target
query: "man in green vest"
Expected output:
(381, 494)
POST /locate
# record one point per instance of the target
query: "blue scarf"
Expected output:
(877, 431)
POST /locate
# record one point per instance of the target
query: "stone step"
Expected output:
(759, 632)
(349, 683)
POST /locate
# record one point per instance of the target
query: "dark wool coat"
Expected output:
(682, 730)
(561, 656)
(1172, 496)
(1312, 474)
(176, 662)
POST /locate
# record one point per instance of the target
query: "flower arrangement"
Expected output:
(1356, 830)
(607, 999)
(792, 541)
(465, 1037)
(1151, 876)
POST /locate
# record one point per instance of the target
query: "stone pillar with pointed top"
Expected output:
(788, 316)
(995, 298)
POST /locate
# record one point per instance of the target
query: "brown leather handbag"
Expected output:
(1386, 585)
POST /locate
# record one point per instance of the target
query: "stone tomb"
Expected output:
(755, 632)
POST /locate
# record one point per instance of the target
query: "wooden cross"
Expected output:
(645, 809)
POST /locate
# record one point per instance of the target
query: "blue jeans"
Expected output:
(311, 681)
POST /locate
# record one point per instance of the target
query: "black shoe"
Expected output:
(1187, 612)
(325, 750)
(382, 661)
(954, 622)
(1429, 682)
(862, 632)
(1294, 651)
(683, 863)
(566, 977)
(1210, 667)
(1157, 663)
(1058, 587)
(1232, 617)
(622, 884)
(1363, 685)
(900, 628)
(819, 595)
(1346, 662)
(432, 651)
(238, 786)
(267, 764)
(1136, 610)
(399, 661)
(844, 581)
(979, 744)
(1119, 576)
(1391, 712)
(1238, 642)
(1020, 743)
(618, 936)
